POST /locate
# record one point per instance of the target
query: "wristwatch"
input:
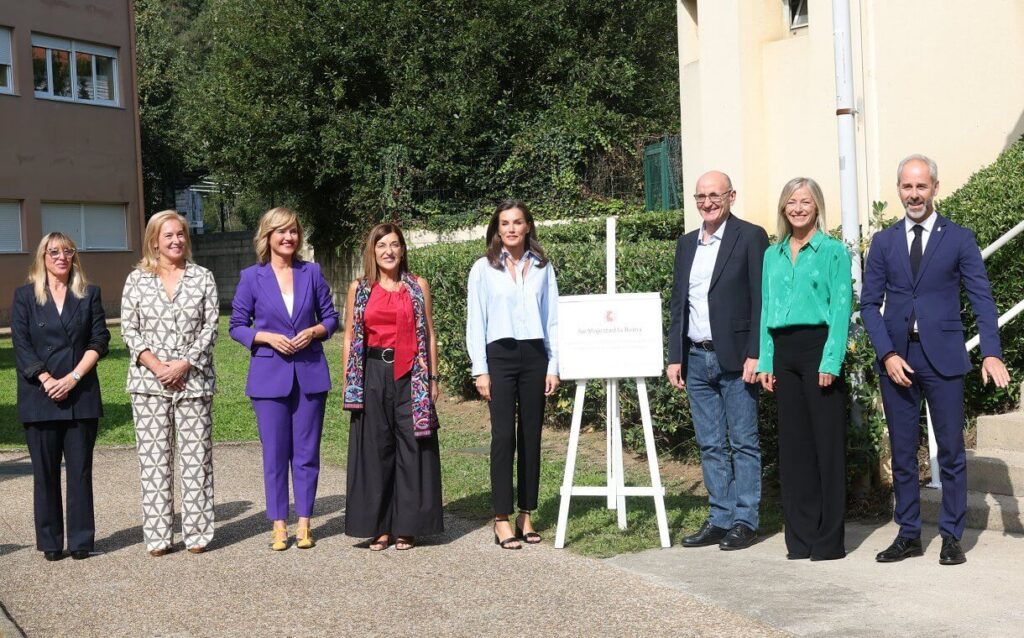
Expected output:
(77, 377)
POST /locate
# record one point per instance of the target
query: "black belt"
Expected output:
(914, 337)
(706, 346)
(387, 355)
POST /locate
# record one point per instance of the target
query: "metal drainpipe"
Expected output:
(847, 133)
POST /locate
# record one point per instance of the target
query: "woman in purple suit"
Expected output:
(282, 311)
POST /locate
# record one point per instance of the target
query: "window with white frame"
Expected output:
(6, 62)
(91, 226)
(10, 227)
(72, 70)
(797, 10)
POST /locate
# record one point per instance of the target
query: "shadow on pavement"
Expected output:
(10, 548)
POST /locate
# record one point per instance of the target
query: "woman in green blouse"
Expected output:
(805, 317)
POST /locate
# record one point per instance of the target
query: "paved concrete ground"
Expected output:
(855, 596)
(458, 585)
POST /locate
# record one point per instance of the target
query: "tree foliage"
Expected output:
(353, 110)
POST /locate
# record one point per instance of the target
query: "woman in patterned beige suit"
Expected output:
(169, 323)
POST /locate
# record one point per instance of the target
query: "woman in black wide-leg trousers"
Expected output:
(394, 478)
(812, 445)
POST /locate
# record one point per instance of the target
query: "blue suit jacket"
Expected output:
(950, 257)
(258, 306)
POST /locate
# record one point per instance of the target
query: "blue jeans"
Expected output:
(724, 410)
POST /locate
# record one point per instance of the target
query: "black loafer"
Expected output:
(901, 548)
(952, 553)
(708, 534)
(57, 555)
(739, 537)
(80, 554)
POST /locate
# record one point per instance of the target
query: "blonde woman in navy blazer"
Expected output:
(59, 333)
(282, 312)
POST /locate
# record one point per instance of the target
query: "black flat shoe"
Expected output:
(952, 553)
(901, 548)
(708, 534)
(792, 556)
(80, 554)
(51, 556)
(739, 537)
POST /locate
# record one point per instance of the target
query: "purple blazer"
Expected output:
(258, 306)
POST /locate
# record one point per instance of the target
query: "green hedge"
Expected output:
(991, 203)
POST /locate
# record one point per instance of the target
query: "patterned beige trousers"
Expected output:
(159, 421)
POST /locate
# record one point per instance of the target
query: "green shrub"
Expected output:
(658, 226)
(991, 203)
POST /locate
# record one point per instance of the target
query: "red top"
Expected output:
(390, 323)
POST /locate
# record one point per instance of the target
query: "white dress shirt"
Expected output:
(499, 307)
(928, 224)
(700, 283)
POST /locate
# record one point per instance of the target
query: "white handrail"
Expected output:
(972, 343)
(999, 243)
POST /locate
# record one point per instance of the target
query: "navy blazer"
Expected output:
(258, 306)
(951, 257)
(734, 297)
(45, 340)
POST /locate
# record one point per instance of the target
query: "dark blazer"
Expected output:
(734, 297)
(950, 257)
(258, 306)
(47, 341)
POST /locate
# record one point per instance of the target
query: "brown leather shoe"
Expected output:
(157, 553)
(199, 549)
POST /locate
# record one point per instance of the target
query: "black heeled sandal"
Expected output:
(531, 538)
(506, 543)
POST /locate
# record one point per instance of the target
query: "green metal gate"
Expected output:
(662, 175)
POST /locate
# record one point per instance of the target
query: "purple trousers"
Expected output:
(290, 429)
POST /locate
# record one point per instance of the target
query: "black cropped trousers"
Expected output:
(517, 370)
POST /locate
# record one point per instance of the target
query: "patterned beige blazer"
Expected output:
(184, 327)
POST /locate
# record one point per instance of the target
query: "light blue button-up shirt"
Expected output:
(500, 308)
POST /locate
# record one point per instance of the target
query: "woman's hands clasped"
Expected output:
(58, 389)
(288, 346)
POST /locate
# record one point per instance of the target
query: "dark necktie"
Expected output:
(915, 249)
(915, 263)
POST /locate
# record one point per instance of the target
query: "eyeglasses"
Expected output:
(714, 198)
(54, 253)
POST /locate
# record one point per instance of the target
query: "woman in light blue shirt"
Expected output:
(511, 334)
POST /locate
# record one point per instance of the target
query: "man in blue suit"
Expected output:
(915, 268)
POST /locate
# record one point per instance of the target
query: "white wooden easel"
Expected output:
(615, 489)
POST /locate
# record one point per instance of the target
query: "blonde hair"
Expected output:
(784, 227)
(378, 232)
(150, 261)
(37, 275)
(275, 219)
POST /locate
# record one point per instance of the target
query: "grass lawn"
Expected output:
(464, 438)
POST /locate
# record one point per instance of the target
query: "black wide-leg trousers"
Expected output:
(394, 478)
(812, 445)
(517, 370)
(49, 442)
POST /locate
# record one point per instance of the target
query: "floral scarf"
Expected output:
(424, 416)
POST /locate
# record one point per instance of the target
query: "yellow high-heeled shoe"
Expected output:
(304, 538)
(279, 539)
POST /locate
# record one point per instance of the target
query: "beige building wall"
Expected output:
(55, 151)
(938, 77)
